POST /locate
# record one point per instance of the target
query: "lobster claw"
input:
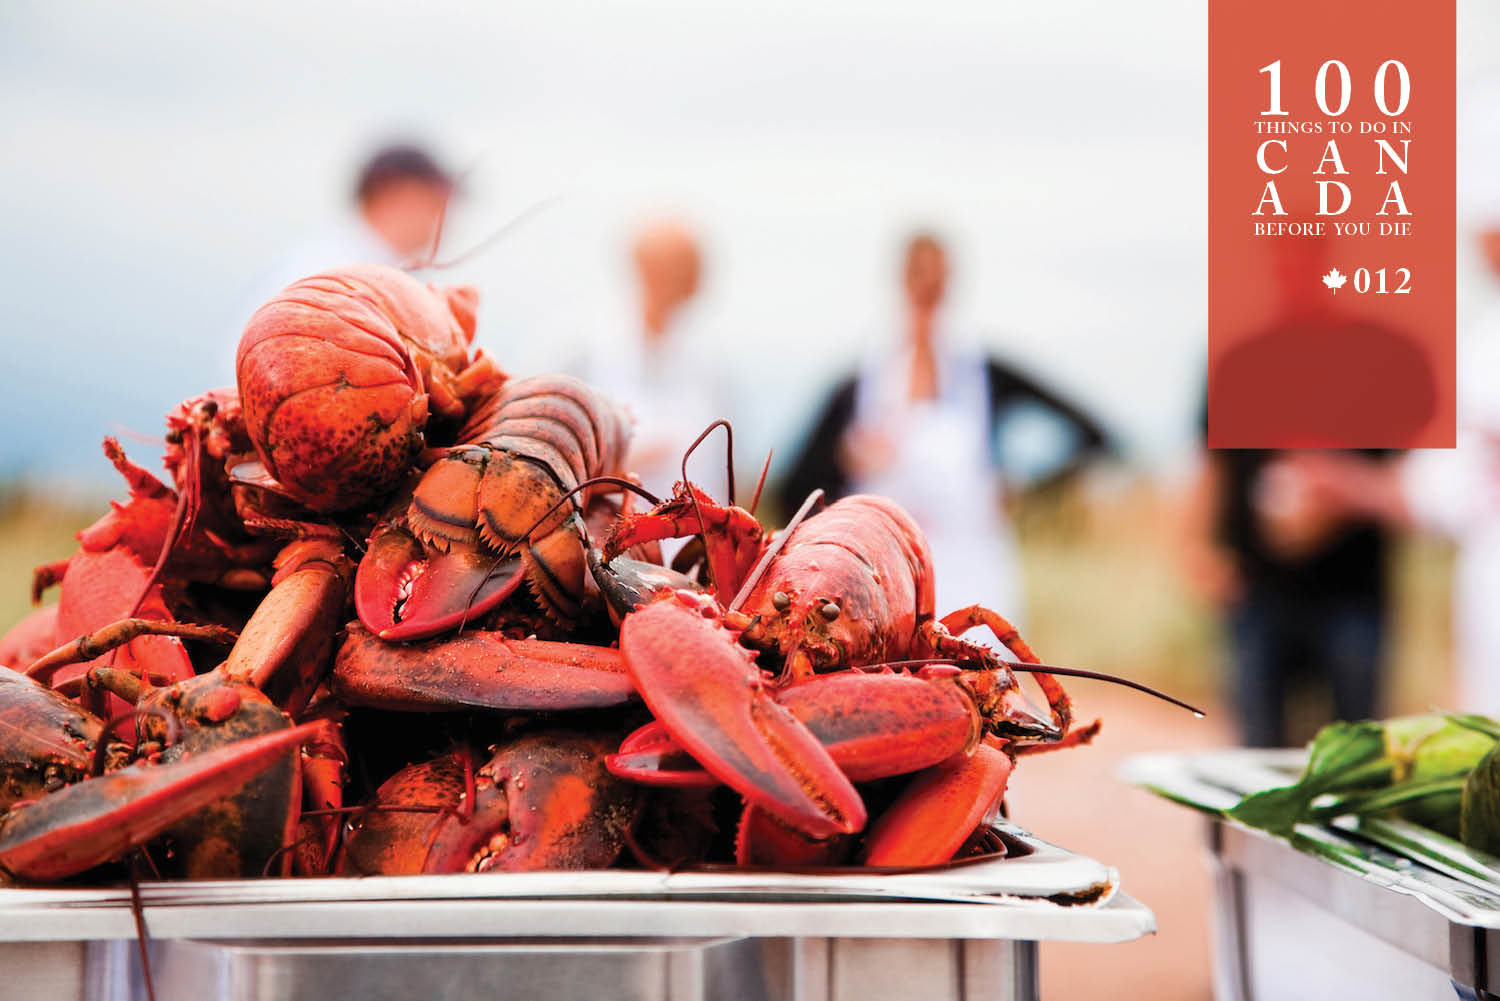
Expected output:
(764, 841)
(99, 819)
(403, 593)
(709, 694)
(938, 810)
(872, 725)
(651, 757)
(628, 584)
(543, 801)
(477, 670)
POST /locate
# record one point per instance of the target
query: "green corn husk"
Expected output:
(1411, 766)
(1479, 816)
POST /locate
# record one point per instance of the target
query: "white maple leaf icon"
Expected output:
(1335, 279)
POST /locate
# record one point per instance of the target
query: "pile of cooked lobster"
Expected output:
(395, 612)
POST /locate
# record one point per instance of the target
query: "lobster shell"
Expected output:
(339, 373)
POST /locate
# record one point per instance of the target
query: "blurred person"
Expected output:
(1452, 491)
(401, 194)
(1457, 492)
(658, 362)
(1301, 572)
(946, 433)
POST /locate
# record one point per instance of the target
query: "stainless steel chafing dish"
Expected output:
(967, 931)
(1359, 908)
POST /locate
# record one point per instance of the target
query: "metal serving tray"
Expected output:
(1370, 909)
(967, 931)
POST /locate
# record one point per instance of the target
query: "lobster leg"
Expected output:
(1076, 737)
(101, 588)
(45, 577)
(96, 644)
(733, 539)
(477, 670)
(944, 641)
(708, 692)
(937, 812)
(324, 769)
(285, 648)
(100, 819)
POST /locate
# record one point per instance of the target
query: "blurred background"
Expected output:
(167, 159)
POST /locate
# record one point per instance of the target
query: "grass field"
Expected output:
(34, 529)
(1105, 592)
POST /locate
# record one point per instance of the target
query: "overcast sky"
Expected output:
(161, 155)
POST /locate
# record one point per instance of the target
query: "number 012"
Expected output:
(1362, 281)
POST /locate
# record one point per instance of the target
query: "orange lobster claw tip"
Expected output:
(651, 757)
(709, 694)
(935, 814)
(402, 594)
(101, 818)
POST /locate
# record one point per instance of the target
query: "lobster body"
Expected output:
(851, 587)
(340, 373)
(433, 566)
(848, 588)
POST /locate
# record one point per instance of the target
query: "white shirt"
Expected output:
(1457, 492)
(672, 388)
(944, 475)
(354, 242)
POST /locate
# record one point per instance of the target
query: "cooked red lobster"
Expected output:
(340, 373)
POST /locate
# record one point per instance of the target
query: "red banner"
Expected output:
(1331, 255)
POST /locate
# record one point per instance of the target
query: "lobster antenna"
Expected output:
(728, 463)
(437, 232)
(496, 235)
(759, 570)
(510, 548)
(1064, 672)
(760, 484)
(728, 452)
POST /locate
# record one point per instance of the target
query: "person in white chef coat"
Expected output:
(945, 432)
(658, 363)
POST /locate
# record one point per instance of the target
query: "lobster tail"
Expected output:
(337, 375)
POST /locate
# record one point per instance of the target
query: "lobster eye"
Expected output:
(781, 601)
(830, 611)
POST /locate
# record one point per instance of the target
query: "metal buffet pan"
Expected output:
(1368, 909)
(963, 932)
